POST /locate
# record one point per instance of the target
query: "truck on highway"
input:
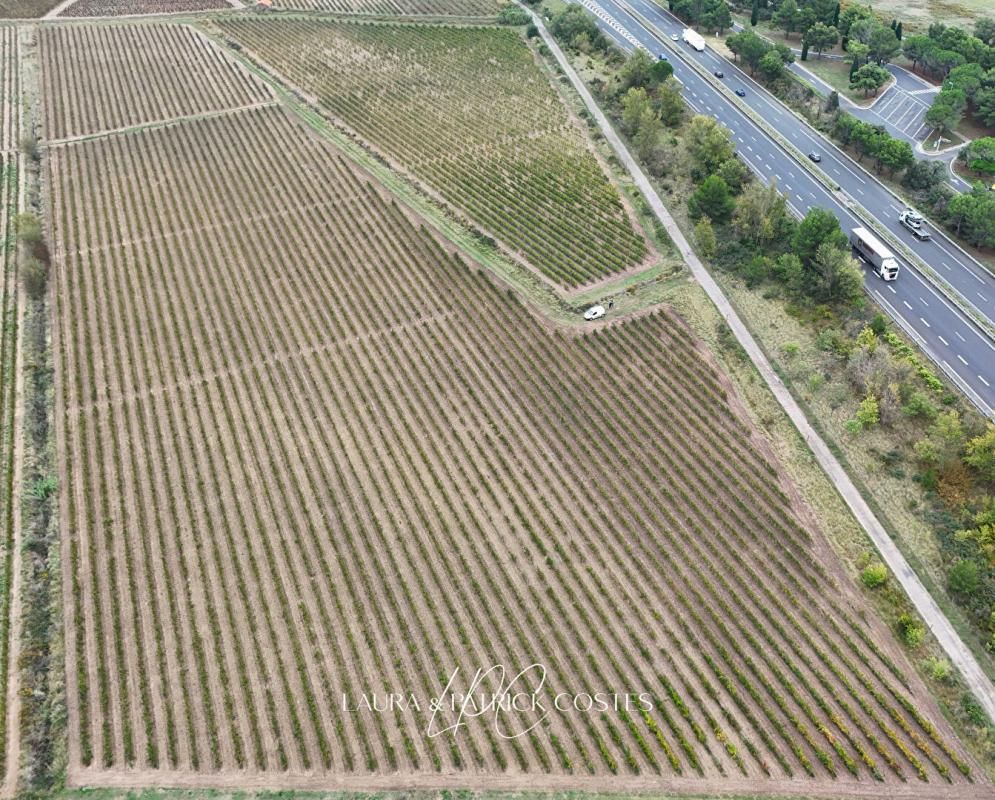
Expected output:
(913, 220)
(869, 248)
(694, 39)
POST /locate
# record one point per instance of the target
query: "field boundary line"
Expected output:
(959, 654)
(154, 124)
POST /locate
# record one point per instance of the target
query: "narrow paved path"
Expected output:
(958, 653)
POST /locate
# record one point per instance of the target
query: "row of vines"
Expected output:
(307, 451)
(429, 8)
(468, 112)
(9, 96)
(105, 77)
(113, 8)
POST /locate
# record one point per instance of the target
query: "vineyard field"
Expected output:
(92, 81)
(113, 8)
(503, 150)
(308, 450)
(428, 8)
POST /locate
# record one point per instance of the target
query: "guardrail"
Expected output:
(963, 305)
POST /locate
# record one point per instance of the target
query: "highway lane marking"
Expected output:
(896, 209)
(749, 148)
(776, 176)
(892, 289)
(962, 359)
(945, 342)
(767, 167)
(957, 334)
(791, 173)
(924, 302)
(983, 298)
(978, 279)
(906, 302)
(861, 191)
(925, 323)
(800, 198)
(945, 265)
(986, 383)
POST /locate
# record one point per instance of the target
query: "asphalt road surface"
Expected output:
(963, 350)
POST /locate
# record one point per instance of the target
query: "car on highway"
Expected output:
(663, 57)
(594, 312)
(815, 157)
(675, 37)
(741, 92)
(719, 73)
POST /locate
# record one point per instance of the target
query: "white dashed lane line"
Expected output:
(925, 323)
(945, 342)
(906, 303)
(986, 383)
(957, 334)
(961, 359)
(924, 302)
(892, 289)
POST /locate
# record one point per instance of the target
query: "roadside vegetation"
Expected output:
(925, 457)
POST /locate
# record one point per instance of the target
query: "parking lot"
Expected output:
(903, 106)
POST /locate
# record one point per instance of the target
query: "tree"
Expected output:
(709, 144)
(984, 29)
(898, 31)
(573, 21)
(819, 227)
(968, 78)
(836, 17)
(980, 453)
(660, 71)
(947, 110)
(821, 37)
(915, 48)
(786, 16)
(754, 13)
(838, 279)
(869, 78)
(735, 173)
(895, 155)
(833, 101)
(858, 55)
(849, 16)
(985, 103)
(713, 200)
(804, 49)
(748, 46)
(979, 155)
(647, 135)
(716, 16)
(924, 175)
(874, 575)
(704, 237)
(669, 103)
(883, 44)
(635, 104)
(761, 214)
(963, 577)
(771, 66)
(637, 70)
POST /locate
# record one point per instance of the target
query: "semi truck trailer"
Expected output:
(694, 39)
(869, 249)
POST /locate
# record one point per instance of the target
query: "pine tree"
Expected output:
(836, 16)
(755, 13)
(853, 68)
(804, 49)
(898, 31)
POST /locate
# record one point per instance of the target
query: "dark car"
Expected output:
(719, 73)
(815, 157)
(741, 92)
(663, 56)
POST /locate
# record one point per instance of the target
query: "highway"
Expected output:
(952, 340)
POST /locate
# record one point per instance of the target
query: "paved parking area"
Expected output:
(903, 110)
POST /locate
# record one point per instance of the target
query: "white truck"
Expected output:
(869, 248)
(913, 220)
(694, 39)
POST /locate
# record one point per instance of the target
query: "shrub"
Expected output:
(513, 15)
(874, 575)
(911, 630)
(35, 276)
(938, 668)
(963, 577)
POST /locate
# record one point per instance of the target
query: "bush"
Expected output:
(34, 273)
(963, 577)
(938, 668)
(911, 630)
(874, 575)
(513, 15)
